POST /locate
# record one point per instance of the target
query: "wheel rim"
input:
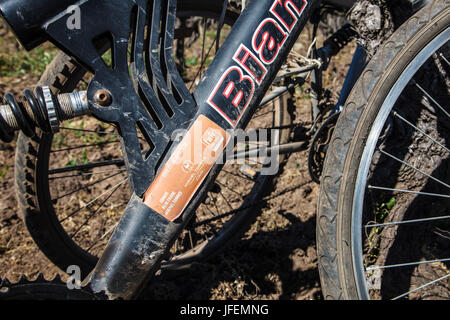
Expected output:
(361, 185)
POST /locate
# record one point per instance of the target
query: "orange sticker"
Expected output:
(187, 167)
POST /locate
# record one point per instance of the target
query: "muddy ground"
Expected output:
(276, 259)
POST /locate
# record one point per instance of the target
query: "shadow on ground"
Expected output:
(279, 264)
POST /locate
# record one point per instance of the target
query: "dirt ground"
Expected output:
(276, 259)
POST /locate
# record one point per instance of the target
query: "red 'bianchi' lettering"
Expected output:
(235, 90)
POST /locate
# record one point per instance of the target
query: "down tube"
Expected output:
(228, 94)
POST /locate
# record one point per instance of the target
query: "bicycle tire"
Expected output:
(337, 191)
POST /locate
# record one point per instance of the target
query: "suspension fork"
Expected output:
(227, 96)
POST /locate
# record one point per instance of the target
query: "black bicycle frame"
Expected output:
(155, 100)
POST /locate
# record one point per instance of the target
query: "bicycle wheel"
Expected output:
(383, 224)
(72, 186)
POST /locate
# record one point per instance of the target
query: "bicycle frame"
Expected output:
(225, 100)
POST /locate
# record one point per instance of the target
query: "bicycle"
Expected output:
(382, 227)
(132, 257)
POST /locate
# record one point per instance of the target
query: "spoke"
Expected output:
(102, 237)
(261, 114)
(202, 64)
(414, 168)
(91, 202)
(109, 231)
(227, 187)
(431, 98)
(86, 174)
(91, 131)
(190, 239)
(280, 91)
(409, 191)
(85, 187)
(223, 215)
(237, 175)
(97, 210)
(215, 205)
(98, 132)
(423, 286)
(207, 208)
(255, 161)
(203, 43)
(405, 222)
(85, 146)
(421, 131)
(86, 82)
(251, 155)
(371, 268)
(226, 200)
(117, 162)
(258, 143)
(444, 58)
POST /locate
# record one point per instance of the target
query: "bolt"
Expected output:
(103, 98)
